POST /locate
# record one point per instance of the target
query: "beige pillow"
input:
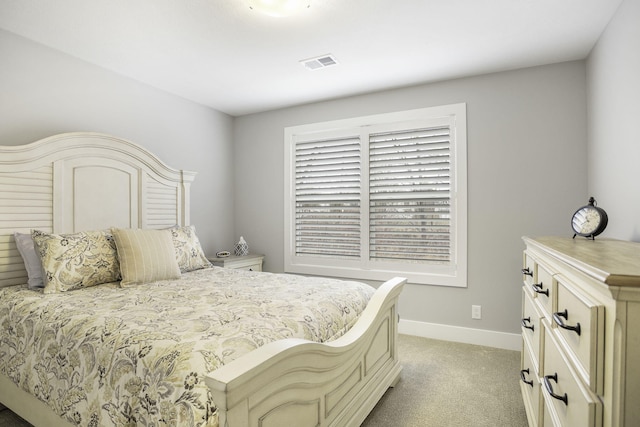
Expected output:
(188, 250)
(145, 256)
(73, 261)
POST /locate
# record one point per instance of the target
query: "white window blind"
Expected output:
(378, 196)
(327, 198)
(409, 195)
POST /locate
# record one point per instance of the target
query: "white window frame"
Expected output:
(453, 274)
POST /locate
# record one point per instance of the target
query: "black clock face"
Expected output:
(586, 221)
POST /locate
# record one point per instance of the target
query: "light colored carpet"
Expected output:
(447, 384)
(443, 384)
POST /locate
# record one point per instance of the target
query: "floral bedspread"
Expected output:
(108, 356)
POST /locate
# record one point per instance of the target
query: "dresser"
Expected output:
(581, 332)
(251, 262)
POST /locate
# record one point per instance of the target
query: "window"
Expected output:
(377, 196)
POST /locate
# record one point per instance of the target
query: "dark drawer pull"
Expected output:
(539, 289)
(527, 272)
(557, 317)
(524, 378)
(525, 323)
(547, 385)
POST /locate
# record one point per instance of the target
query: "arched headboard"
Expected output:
(84, 181)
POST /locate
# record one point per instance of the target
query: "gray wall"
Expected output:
(529, 167)
(613, 70)
(44, 92)
(526, 176)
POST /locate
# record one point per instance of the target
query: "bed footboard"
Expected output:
(302, 383)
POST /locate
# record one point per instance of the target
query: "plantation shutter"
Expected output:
(327, 198)
(410, 195)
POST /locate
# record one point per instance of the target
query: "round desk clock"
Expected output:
(589, 220)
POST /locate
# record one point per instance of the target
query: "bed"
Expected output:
(292, 363)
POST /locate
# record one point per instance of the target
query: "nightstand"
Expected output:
(252, 262)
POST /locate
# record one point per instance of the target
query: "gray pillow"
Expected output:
(32, 262)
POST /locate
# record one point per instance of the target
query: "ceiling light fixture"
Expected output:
(279, 8)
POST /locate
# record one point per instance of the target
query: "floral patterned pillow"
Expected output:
(73, 261)
(188, 250)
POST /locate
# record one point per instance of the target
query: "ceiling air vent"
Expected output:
(319, 62)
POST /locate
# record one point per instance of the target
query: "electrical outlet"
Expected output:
(476, 312)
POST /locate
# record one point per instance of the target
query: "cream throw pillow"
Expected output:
(145, 256)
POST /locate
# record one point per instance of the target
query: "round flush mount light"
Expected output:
(279, 8)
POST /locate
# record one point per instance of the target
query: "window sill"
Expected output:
(413, 277)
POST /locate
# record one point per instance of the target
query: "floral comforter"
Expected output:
(108, 356)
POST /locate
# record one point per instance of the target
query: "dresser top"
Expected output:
(614, 262)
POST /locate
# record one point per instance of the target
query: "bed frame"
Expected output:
(86, 181)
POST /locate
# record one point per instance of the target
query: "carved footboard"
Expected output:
(301, 383)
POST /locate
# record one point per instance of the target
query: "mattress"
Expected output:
(112, 356)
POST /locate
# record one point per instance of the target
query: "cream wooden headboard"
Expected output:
(84, 181)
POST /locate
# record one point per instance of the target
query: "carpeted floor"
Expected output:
(443, 384)
(447, 384)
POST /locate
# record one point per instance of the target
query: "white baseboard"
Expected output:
(459, 334)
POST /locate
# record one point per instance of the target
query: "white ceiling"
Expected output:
(222, 54)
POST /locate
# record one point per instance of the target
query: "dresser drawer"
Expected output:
(529, 266)
(579, 325)
(566, 400)
(544, 289)
(531, 326)
(530, 386)
(252, 262)
(250, 267)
